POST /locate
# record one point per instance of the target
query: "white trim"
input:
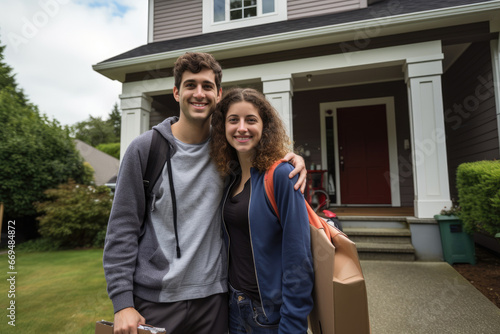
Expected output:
(428, 136)
(328, 32)
(135, 118)
(152, 87)
(151, 20)
(330, 63)
(280, 14)
(495, 60)
(391, 138)
(278, 90)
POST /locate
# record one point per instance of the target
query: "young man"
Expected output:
(149, 281)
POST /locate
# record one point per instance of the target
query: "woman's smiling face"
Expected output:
(243, 127)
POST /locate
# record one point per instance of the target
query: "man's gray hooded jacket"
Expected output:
(140, 257)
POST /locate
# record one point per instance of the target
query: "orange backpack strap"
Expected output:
(314, 219)
(317, 221)
(269, 185)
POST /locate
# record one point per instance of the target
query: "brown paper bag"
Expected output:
(340, 298)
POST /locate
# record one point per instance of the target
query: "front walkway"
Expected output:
(426, 298)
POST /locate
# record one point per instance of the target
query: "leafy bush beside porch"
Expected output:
(478, 185)
(75, 215)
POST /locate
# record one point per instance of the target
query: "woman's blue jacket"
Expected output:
(281, 250)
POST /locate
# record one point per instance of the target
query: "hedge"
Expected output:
(113, 149)
(478, 185)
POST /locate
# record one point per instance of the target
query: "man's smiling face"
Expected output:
(197, 95)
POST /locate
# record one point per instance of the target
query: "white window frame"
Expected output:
(280, 14)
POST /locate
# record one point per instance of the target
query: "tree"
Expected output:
(115, 120)
(95, 131)
(7, 79)
(36, 153)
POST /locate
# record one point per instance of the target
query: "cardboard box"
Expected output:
(106, 327)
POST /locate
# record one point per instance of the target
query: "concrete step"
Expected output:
(380, 238)
(384, 251)
(373, 222)
(379, 235)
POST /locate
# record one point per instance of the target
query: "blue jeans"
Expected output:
(247, 316)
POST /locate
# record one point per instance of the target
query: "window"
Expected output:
(219, 10)
(229, 14)
(239, 9)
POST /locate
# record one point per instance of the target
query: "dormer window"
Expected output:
(239, 9)
(231, 14)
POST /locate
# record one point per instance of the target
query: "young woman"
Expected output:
(270, 263)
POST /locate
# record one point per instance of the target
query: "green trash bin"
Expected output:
(458, 246)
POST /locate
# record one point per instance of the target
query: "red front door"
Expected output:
(364, 155)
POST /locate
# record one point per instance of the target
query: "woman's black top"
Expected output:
(241, 265)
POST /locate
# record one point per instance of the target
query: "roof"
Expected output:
(388, 8)
(105, 166)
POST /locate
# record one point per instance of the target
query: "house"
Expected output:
(105, 166)
(388, 96)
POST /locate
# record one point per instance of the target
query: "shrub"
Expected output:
(75, 215)
(113, 149)
(478, 185)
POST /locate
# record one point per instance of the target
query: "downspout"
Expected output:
(495, 60)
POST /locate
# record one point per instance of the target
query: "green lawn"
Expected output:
(55, 292)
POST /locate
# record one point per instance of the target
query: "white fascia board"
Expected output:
(313, 35)
(338, 62)
(150, 87)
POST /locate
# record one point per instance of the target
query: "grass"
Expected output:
(55, 292)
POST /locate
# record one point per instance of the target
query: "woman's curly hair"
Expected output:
(273, 145)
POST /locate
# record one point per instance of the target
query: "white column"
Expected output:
(428, 138)
(279, 91)
(135, 118)
(495, 59)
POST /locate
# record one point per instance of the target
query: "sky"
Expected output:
(51, 46)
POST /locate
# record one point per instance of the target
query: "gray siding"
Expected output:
(303, 8)
(470, 114)
(177, 19)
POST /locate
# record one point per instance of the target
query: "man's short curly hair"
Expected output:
(273, 145)
(195, 62)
